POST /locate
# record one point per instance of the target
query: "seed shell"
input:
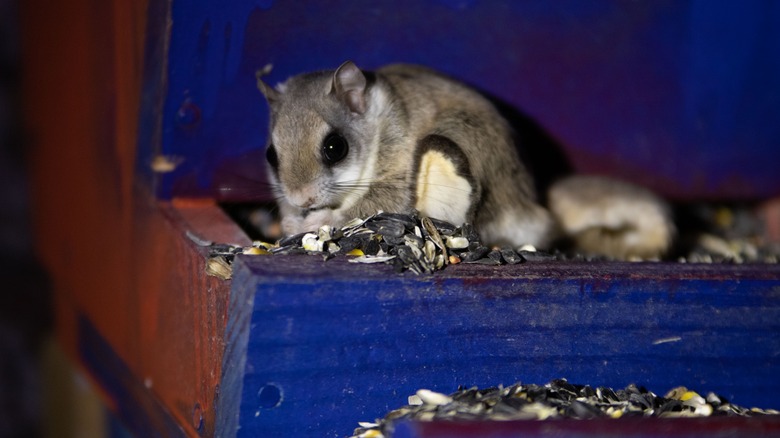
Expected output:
(557, 399)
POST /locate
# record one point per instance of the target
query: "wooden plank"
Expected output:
(714, 427)
(80, 107)
(341, 343)
(662, 94)
(120, 261)
(180, 311)
(175, 313)
(140, 411)
(318, 334)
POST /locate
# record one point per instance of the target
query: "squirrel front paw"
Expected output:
(315, 219)
(292, 225)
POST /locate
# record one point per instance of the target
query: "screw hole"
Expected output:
(269, 396)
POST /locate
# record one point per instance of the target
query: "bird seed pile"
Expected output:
(712, 233)
(557, 399)
(406, 241)
(424, 245)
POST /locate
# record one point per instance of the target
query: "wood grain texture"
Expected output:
(181, 312)
(680, 97)
(720, 427)
(119, 259)
(313, 346)
(347, 343)
(81, 68)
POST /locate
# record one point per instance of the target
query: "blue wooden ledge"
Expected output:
(315, 347)
(713, 427)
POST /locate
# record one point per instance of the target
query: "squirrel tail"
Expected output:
(612, 218)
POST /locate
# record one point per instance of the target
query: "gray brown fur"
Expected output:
(386, 117)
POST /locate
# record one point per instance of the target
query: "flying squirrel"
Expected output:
(347, 143)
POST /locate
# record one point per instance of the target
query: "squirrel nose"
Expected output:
(301, 200)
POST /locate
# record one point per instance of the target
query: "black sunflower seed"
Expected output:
(579, 409)
(444, 227)
(468, 231)
(294, 239)
(537, 256)
(394, 241)
(407, 220)
(371, 247)
(354, 241)
(496, 256)
(475, 254)
(405, 254)
(511, 256)
(386, 227)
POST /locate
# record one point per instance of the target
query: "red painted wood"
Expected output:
(118, 257)
(714, 427)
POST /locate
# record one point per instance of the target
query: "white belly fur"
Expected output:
(441, 192)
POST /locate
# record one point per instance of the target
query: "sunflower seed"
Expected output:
(325, 233)
(333, 247)
(468, 231)
(294, 239)
(197, 239)
(371, 259)
(557, 399)
(536, 256)
(495, 255)
(444, 227)
(408, 221)
(457, 242)
(287, 250)
(371, 246)
(354, 223)
(475, 254)
(433, 398)
(406, 255)
(432, 233)
(511, 257)
(387, 228)
(413, 240)
(395, 241)
(429, 251)
(219, 267)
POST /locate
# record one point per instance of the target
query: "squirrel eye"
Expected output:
(270, 155)
(334, 149)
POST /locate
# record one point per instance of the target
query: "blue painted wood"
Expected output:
(680, 96)
(318, 346)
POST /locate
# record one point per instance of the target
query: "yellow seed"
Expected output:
(617, 414)
(676, 392)
(454, 259)
(165, 163)
(356, 252)
(724, 217)
(261, 244)
(252, 250)
(689, 395)
(373, 433)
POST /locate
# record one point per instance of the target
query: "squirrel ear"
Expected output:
(349, 85)
(271, 95)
